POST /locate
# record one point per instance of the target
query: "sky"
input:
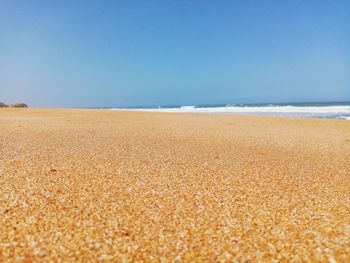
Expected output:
(144, 53)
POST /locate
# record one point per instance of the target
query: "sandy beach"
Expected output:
(89, 185)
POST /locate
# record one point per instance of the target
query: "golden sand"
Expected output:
(89, 185)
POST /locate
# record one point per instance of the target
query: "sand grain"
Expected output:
(88, 185)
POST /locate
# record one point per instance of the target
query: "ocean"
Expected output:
(333, 110)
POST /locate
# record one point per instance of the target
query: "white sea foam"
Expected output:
(187, 107)
(338, 111)
(344, 117)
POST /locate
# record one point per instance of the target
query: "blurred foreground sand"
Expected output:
(88, 185)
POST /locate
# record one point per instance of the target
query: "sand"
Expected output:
(99, 185)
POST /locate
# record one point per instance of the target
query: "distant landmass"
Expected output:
(16, 105)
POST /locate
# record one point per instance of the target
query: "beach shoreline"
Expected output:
(88, 185)
(329, 110)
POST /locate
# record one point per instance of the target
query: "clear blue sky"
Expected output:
(127, 53)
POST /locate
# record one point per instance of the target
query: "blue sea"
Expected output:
(333, 110)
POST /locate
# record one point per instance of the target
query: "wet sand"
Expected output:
(88, 185)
